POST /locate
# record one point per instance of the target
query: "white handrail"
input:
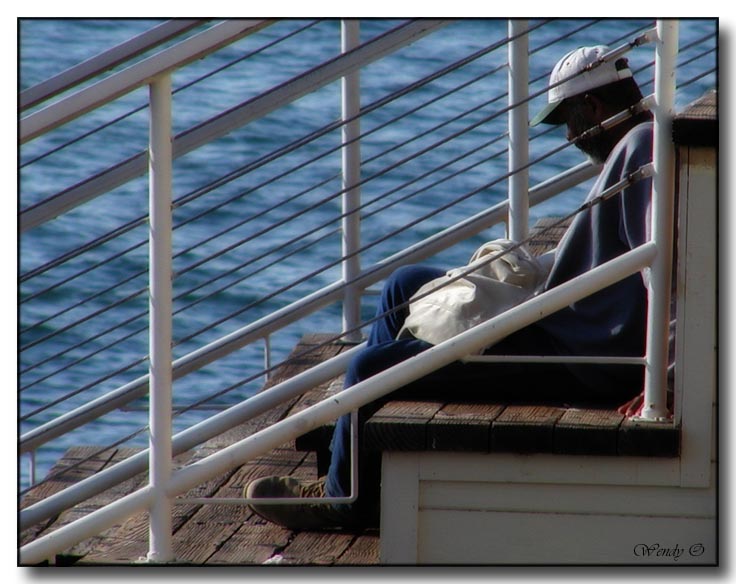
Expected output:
(135, 76)
(663, 197)
(349, 399)
(274, 396)
(104, 61)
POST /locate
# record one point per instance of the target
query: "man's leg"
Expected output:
(373, 359)
(391, 312)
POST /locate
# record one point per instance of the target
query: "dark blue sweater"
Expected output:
(612, 321)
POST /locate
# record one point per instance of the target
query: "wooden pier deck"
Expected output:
(210, 535)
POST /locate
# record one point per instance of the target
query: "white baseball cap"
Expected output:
(573, 75)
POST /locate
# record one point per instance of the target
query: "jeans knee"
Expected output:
(362, 366)
(401, 274)
(405, 280)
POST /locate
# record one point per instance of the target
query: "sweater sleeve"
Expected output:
(635, 223)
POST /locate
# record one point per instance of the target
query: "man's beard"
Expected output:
(594, 149)
(597, 146)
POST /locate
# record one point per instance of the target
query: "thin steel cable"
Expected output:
(314, 159)
(84, 388)
(373, 176)
(363, 206)
(119, 254)
(385, 237)
(272, 251)
(229, 177)
(83, 301)
(364, 111)
(587, 205)
(697, 78)
(398, 188)
(379, 103)
(142, 219)
(79, 360)
(177, 90)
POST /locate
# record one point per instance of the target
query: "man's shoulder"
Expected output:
(640, 133)
(636, 142)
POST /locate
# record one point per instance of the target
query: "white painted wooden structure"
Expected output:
(501, 508)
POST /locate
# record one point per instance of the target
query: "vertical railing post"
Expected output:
(351, 184)
(518, 228)
(160, 320)
(660, 277)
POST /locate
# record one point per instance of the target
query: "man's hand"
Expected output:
(634, 407)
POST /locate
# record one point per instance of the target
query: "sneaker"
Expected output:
(297, 516)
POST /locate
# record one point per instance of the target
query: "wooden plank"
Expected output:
(198, 540)
(314, 548)
(66, 477)
(587, 432)
(400, 425)
(252, 543)
(648, 439)
(546, 234)
(98, 462)
(525, 429)
(201, 531)
(697, 125)
(363, 550)
(66, 474)
(462, 427)
(245, 537)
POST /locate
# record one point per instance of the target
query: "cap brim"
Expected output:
(549, 115)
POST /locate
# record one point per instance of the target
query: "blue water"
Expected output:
(50, 369)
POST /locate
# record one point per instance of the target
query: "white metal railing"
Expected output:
(261, 328)
(135, 76)
(104, 61)
(265, 400)
(518, 131)
(165, 483)
(663, 205)
(348, 400)
(351, 183)
(161, 309)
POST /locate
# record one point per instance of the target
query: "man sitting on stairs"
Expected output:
(610, 322)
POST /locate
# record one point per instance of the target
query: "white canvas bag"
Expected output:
(491, 289)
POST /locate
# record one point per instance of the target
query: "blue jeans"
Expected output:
(498, 382)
